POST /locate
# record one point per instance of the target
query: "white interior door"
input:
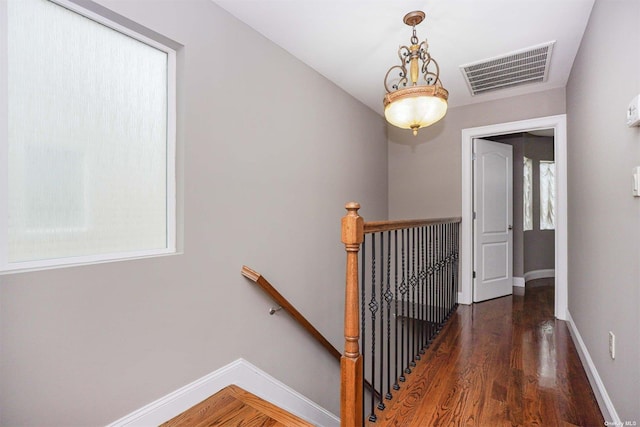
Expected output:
(493, 207)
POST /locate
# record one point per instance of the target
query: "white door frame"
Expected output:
(559, 124)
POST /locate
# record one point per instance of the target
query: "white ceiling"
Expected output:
(354, 42)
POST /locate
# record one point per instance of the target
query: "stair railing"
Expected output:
(398, 296)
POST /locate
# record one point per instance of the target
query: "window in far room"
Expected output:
(547, 195)
(527, 187)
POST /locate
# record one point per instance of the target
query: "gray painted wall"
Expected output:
(425, 171)
(271, 152)
(604, 218)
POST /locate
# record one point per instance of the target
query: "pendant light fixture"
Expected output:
(415, 97)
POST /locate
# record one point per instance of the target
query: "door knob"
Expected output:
(510, 227)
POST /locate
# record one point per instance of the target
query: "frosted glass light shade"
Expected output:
(415, 107)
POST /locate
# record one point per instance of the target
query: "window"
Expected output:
(88, 139)
(547, 195)
(527, 187)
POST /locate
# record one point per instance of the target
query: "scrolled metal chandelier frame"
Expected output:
(415, 97)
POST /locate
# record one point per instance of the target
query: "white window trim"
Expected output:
(170, 249)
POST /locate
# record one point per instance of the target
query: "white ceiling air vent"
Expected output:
(525, 66)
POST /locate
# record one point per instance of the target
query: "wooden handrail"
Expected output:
(289, 308)
(351, 372)
(378, 226)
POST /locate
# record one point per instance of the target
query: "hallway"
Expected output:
(503, 362)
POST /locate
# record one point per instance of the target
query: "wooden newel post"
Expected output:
(351, 361)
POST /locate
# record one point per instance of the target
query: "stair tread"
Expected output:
(234, 406)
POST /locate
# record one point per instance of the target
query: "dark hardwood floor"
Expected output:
(504, 362)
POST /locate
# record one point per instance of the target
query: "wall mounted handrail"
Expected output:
(285, 305)
(258, 279)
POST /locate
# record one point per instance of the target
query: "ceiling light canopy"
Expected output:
(415, 97)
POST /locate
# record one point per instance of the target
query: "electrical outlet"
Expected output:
(612, 345)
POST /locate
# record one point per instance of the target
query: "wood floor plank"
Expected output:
(504, 362)
(233, 407)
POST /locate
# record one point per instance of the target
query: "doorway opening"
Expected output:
(558, 125)
(532, 229)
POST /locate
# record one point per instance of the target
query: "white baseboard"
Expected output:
(460, 301)
(241, 373)
(539, 274)
(604, 402)
(518, 282)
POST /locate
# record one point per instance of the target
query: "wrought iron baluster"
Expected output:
(411, 298)
(426, 287)
(428, 284)
(409, 301)
(451, 271)
(427, 279)
(439, 263)
(447, 285)
(381, 405)
(419, 297)
(396, 386)
(448, 228)
(450, 278)
(450, 268)
(435, 279)
(440, 276)
(456, 264)
(404, 288)
(454, 289)
(423, 286)
(412, 348)
(373, 308)
(363, 317)
(423, 279)
(388, 296)
(432, 303)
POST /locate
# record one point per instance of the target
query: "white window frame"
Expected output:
(5, 266)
